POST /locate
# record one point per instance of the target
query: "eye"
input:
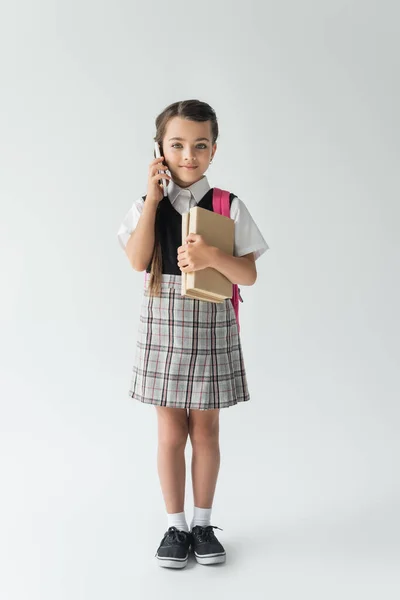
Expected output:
(199, 146)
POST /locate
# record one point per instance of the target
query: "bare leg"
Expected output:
(172, 438)
(204, 437)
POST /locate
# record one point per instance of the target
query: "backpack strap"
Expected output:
(221, 202)
(221, 205)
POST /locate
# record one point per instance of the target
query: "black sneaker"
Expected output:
(173, 550)
(207, 549)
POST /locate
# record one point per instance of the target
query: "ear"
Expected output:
(213, 150)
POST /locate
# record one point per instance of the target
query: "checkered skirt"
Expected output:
(188, 352)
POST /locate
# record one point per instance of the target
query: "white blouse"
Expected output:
(248, 237)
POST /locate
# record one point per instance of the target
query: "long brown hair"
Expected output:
(192, 110)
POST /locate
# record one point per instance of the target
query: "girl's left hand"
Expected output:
(196, 255)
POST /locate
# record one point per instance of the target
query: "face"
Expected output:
(188, 144)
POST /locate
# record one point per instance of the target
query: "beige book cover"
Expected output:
(217, 230)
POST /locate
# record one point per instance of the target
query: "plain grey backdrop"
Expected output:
(307, 96)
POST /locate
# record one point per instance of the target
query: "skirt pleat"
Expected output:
(188, 352)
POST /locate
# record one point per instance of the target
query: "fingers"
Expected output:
(156, 169)
(157, 175)
(161, 176)
(183, 262)
(156, 166)
(185, 268)
(158, 163)
(194, 237)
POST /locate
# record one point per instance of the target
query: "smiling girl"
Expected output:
(188, 360)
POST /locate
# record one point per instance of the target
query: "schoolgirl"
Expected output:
(188, 360)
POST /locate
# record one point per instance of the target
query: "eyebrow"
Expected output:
(182, 139)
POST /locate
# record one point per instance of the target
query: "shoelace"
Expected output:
(206, 534)
(174, 535)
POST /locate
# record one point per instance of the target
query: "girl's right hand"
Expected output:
(155, 192)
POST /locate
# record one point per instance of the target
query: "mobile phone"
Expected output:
(157, 154)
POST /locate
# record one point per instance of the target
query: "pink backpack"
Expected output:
(221, 205)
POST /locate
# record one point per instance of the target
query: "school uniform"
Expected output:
(188, 351)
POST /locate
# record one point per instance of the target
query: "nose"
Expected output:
(189, 156)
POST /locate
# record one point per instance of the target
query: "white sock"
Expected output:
(201, 516)
(178, 520)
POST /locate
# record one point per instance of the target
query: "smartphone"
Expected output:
(157, 154)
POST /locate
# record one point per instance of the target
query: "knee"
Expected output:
(204, 435)
(173, 437)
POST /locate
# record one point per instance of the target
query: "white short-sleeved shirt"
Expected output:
(248, 238)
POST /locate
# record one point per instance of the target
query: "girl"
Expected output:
(188, 360)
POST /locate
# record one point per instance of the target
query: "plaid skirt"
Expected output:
(188, 352)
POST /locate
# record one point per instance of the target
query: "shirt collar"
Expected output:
(198, 189)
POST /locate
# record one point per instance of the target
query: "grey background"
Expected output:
(307, 96)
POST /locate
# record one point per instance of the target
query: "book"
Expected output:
(217, 230)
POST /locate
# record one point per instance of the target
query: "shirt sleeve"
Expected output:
(129, 223)
(248, 237)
